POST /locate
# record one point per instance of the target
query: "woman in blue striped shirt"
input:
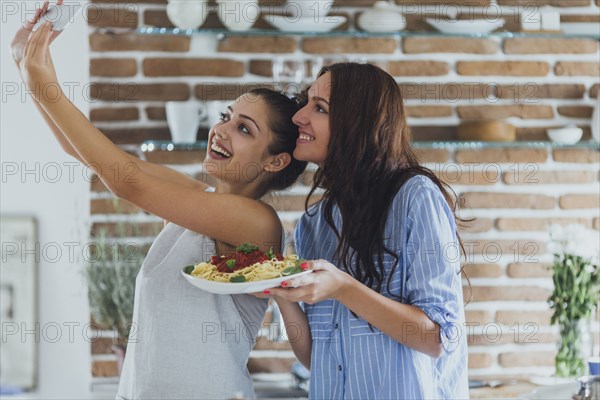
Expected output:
(385, 304)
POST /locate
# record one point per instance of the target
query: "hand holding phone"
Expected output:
(59, 15)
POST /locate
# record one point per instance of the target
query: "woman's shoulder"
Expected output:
(417, 188)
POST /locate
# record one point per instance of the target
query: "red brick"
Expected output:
(104, 369)
(479, 360)
(138, 229)
(428, 111)
(530, 91)
(113, 67)
(257, 44)
(225, 91)
(348, 45)
(507, 200)
(574, 201)
(417, 45)
(114, 206)
(132, 42)
(432, 155)
(486, 112)
(501, 156)
(133, 91)
(568, 68)
(583, 156)
(509, 293)
(501, 68)
(550, 46)
(120, 16)
(583, 112)
(192, 67)
(526, 359)
(416, 68)
(443, 92)
(534, 176)
(528, 270)
(483, 270)
(114, 114)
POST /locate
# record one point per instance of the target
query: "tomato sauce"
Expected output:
(242, 260)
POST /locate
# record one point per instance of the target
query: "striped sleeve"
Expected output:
(433, 263)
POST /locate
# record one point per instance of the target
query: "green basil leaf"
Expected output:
(230, 264)
(237, 279)
(188, 270)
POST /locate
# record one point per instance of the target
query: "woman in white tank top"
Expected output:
(185, 343)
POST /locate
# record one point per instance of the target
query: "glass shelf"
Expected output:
(351, 33)
(165, 145)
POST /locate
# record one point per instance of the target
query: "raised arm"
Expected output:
(17, 48)
(229, 218)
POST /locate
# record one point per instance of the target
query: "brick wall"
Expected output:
(514, 192)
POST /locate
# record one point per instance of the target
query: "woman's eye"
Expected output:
(244, 129)
(223, 116)
(320, 109)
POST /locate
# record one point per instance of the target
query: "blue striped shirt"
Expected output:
(352, 361)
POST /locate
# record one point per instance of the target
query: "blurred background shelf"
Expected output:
(353, 33)
(165, 145)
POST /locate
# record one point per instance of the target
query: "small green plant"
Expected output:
(576, 293)
(111, 275)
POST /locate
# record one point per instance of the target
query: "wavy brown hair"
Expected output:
(367, 121)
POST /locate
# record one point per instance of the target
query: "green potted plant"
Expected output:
(576, 293)
(111, 275)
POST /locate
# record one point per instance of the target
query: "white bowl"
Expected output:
(466, 25)
(187, 15)
(568, 135)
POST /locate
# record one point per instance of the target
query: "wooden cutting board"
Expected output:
(488, 131)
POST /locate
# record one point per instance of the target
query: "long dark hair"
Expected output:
(367, 121)
(285, 133)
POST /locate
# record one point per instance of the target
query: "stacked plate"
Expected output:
(381, 18)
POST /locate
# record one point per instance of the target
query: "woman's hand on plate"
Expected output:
(326, 282)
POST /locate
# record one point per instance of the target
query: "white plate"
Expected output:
(466, 25)
(305, 24)
(238, 288)
(563, 391)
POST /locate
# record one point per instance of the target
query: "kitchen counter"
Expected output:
(514, 391)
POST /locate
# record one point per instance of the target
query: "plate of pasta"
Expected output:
(248, 270)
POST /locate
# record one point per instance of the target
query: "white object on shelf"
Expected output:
(550, 19)
(383, 17)
(184, 118)
(465, 26)
(187, 14)
(306, 24)
(596, 121)
(238, 15)
(531, 19)
(568, 135)
(580, 28)
(315, 9)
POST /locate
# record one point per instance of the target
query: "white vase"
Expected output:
(238, 15)
(596, 121)
(187, 14)
(383, 17)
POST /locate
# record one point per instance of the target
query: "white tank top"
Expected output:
(186, 343)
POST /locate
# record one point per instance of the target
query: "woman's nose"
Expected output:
(299, 118)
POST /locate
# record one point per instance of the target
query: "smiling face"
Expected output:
(313, 123)
(237, 145)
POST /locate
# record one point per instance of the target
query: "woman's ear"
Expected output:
(278, 162)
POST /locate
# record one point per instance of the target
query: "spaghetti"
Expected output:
(247, 264)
